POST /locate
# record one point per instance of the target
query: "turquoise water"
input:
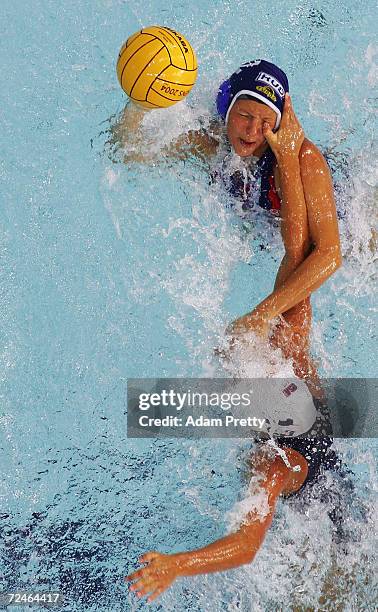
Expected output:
(109, 272)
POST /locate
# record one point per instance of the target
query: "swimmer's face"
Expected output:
(245, 127)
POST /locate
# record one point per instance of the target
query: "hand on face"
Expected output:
(287, 141)
(157, 576)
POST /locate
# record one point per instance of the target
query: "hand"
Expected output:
(158, 575)
(252, 322)
(287, 141)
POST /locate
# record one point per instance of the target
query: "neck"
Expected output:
(261, 150)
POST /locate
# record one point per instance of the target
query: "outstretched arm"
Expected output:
(231, 551)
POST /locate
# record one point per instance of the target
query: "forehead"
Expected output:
(254, 107)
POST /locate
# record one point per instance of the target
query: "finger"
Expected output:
(156, 594)
(135, 575)
(268, 134)
(288, 102)
(289, 108)
(148, 557)
(287, 115)
(145, 587)
(138, 587)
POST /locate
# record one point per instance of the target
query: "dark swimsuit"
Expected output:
(344, 504)
(314, 445)
(251, 188)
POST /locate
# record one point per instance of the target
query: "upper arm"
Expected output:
(276, 477)
(319, 196)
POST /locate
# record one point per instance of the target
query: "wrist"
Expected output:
(289, 160)
(180, 562)
(263, 312)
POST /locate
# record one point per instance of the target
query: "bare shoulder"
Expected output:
(311, 158)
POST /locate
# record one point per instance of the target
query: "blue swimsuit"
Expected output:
(253, 186)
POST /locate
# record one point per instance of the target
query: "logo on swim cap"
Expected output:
(270, 80)
(290, 389)
(268, 91)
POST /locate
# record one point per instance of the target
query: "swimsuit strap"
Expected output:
(269, 198)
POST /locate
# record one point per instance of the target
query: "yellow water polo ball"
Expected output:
(156, 67)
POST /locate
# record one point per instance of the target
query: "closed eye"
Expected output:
(266, 119)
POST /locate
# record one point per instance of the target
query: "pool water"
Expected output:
(111, 271)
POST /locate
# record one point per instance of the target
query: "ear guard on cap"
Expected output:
(223, 98)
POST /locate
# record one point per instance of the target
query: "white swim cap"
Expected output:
(286, 404)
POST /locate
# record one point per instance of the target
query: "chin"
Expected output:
(243, 153)
(250, 154)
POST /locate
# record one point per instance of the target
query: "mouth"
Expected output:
(246, 143)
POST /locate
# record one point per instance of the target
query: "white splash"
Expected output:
(254, 506)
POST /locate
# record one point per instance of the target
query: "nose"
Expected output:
(254, 126)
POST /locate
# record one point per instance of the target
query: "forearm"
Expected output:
(231, 551)
(287, 267)
(305, 279)
(295, 232)
(129, 136)
(294, 226)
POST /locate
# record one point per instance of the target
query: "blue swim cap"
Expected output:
(259, 79)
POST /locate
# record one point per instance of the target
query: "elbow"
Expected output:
(252, 536)
(332, 260)
(246, 549)
(336, 258)
(247, 556)
(253, 543)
